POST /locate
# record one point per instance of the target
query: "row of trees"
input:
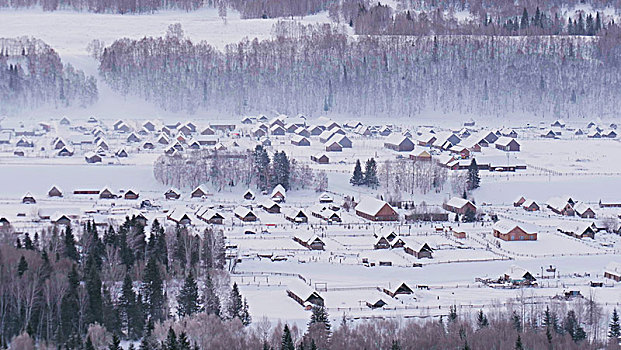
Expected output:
(505, 330)
(59, 289)
(32, 75)
(380, 19)
(224, 169)
(305, 66)
(366, 178)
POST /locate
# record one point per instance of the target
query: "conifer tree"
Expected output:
(482, 321)
(395, 345)
(69, 308)
(22, 266)
(614, 328)
(281, 170)
(357, 177)
(132, 318)
(518, 343)
(319, 315)
(287, 340)
(182, 342)
(473, 175)
(127, 256)
(28, 242)
(370, 174)
(171, 340)
(94, 302)
(70, 251)
(188, 299)
(115, 344)
(110, 316)
(212, 302)
(153, 290)
(236, 305)
(245, 315)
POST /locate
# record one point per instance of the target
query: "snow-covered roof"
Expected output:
(581, 208)
(505, 226)
(242, 211)
(504, 141)
(370, 205)
(457, 202)
(614, 267)
(516, 272)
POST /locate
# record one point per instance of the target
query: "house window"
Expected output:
(521, 238)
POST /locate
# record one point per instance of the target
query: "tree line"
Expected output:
(32, 75)
(57, 289)
(226, 169)
(305, 66)
(502, 330)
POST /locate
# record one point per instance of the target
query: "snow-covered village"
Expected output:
(333, 175)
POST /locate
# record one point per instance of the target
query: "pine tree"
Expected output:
(395, 345)
(262, 167)
(212, 302)
(28, 242)
(245, 316)
(156, 246)
(70, 251)
(183, 342)
(482, 321)
(357, 177)
(319, 315)
(94, 303)
(452, 313)
(127, 256)
(473, 175)
(22, 266)
(281, 170)
(518, 343)
(614, 329)
(171, 340)
(524, 21)
(236, 305)
(179, 252)
(370, 174)
(132, 317)
(115, 344)
(287, 340)
(153, 290)
(110, 316)
(188, 299)
(517, 323)
(69, 308)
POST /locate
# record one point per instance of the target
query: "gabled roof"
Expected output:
(457, 202)
(371, 206)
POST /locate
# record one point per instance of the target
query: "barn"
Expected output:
(199, 192)
(270, 206)
(298, 140)
(55, 192)
(398, 289)
(172, 194)
(312, 242)
(419, 250)
(613, 271)
(376, 210)
(320, 158)
(130, 194)
(399, 143)
(584, 211)
(296, 215)
(459, 205)
(304, 294)
(509, 231)
(244, 214)
(179, 216)
(507, 144)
